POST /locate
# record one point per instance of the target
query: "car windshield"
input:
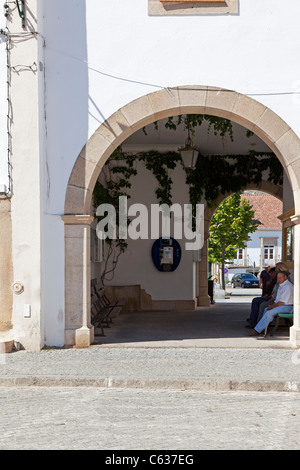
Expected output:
(248, 276)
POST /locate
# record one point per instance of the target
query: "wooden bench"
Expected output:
(99, 291)
(103, 311)
(99, 315)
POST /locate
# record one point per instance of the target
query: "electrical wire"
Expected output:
(119, 76)
(12, 38)
(9, 115)
(23, 36)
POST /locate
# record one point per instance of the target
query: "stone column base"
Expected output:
(295, 336)
(204, 301)
(79, 337)
(6, 326)
(6, 347)
(84, 337)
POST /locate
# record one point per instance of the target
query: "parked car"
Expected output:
(244, 280)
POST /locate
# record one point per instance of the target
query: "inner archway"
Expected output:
(249, 246)
(228, 104)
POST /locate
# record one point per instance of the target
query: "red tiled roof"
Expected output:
(267, 208)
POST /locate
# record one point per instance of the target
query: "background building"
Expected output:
(265, 247)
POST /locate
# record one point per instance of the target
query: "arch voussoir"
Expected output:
(247, 111)
(139, 113)
(192, 99)
(270, 126)
(165, 103)
(116, 128)
(220, 102)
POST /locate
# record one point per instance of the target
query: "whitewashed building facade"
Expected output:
(81, 77)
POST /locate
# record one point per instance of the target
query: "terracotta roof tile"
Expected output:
(267, 209)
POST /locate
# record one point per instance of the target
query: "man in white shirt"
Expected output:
(283, 303)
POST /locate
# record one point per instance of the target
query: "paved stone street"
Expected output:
(156, 384)
(123, 419)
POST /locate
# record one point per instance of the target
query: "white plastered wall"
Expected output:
(135, 266)
(99, 56)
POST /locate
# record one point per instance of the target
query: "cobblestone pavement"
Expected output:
(84, 418)
(197, 368)
(115, 396)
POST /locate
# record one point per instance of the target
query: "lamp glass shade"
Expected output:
(189, 157)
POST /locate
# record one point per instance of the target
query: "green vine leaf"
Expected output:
(214, 174)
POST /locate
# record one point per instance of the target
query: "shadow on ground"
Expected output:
(219, 325)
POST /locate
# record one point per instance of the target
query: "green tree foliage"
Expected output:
(229, 230)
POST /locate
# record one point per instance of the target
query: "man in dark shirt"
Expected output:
(270, 281)
(263, 279)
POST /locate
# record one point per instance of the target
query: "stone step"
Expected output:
(6, 347)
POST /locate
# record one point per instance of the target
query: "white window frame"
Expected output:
(268, 247)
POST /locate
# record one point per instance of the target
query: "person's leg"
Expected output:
(261, 309)
(269, 315)
(255, 308)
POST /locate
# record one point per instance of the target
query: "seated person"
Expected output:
(268, 301)
(263, 279)
(281, 266)
(283, 303)
(256, 306)
(270, 283)
(269, 296)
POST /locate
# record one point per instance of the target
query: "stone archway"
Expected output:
(264, 186)
(114, 131)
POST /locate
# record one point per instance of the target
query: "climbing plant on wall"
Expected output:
(214, 174)
(221, 127)
(219, 174)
